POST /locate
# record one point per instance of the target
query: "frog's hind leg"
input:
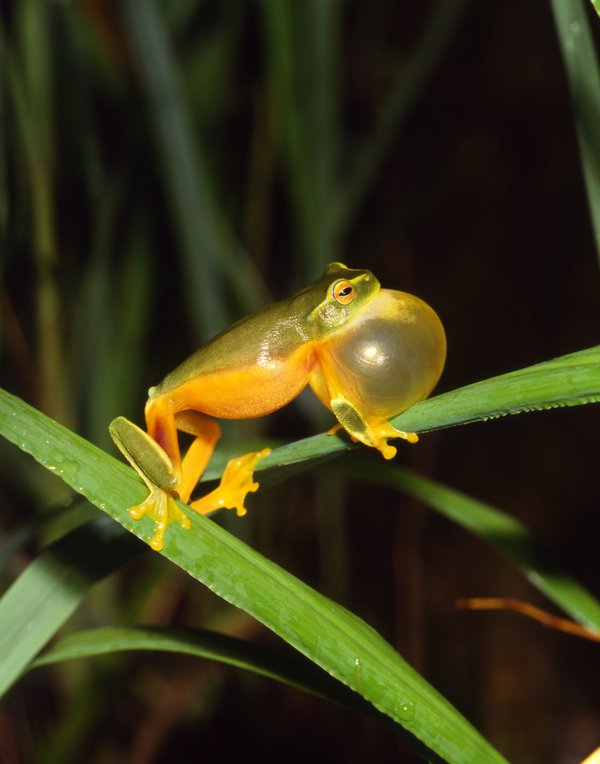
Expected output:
(155, 466)
(161, 427)
(237, 481)
(206, 433)
(237, 478)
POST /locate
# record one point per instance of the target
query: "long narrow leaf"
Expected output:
(581, 63)
(185, 181)
(207, 244)
(51, 588)
(570, 380)
(287, 667)
(329, 635)
(301, 43)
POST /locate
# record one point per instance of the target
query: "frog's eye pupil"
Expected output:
(343, 292)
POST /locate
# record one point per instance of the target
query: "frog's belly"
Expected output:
(245, 393)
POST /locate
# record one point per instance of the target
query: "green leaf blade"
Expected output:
(570, 380)
(328, 634)
(51, 588)
(311, 623)
(283, 667)
(581, 64)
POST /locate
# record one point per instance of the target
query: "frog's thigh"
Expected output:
(160, 424)
(207, 432)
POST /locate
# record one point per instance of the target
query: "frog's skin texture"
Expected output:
(368, 353)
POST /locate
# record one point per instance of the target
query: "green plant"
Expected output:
(249, 144)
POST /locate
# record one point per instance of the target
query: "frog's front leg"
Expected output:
(329, 384)
(158, 472)
(373, 433)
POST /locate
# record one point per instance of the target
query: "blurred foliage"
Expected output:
(167, 167)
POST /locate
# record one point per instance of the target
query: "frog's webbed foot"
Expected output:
(371, 433)
(379, 434)
(162, 508)
(237, 481)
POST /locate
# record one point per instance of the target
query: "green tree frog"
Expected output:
(368, 354)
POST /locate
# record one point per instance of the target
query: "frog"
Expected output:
(367, 353)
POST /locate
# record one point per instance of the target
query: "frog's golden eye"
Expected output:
(343, 292)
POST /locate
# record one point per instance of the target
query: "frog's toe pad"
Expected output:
(380, 434)
(237, 481)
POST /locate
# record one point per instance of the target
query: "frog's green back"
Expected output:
(271, 334)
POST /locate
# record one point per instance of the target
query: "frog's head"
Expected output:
(340, 293)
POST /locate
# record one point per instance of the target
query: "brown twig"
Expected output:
(531, 611)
